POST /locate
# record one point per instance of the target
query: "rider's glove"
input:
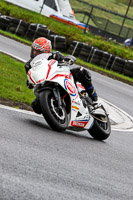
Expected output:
(70, 59)
(58, 56)
(29, 85)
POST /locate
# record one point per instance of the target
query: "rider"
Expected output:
(80, 74)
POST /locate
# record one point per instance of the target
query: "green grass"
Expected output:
(13, 79)
(112, 5)
(70, 32)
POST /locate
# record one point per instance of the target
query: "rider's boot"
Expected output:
(94, 98)
(92, 93)
(36, 106)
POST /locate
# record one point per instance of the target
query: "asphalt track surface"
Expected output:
(38, 163)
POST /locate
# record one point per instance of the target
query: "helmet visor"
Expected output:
(35, 52)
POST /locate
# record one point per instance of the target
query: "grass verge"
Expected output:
(13, 81)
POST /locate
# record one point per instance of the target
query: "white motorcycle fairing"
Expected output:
(48, 70)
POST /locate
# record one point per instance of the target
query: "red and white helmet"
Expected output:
(40, 45)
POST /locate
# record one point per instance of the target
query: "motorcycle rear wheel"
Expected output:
(100, 130)
(56, 117)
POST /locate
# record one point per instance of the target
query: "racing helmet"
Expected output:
(40, 45)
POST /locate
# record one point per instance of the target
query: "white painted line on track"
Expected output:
(9, 54)
(19, 110)
(118, 128)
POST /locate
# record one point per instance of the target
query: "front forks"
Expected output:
(57, 97)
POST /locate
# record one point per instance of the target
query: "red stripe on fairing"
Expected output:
(81, 86)
(29, 73)
(49, 66)
(76, 96)
(58, 75)
(70, 75)
(61, 75)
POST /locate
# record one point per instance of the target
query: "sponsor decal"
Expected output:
(78, 103)
(68, 86)
(81, 124)
(75, 107)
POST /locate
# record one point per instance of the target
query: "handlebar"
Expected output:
(63, 62)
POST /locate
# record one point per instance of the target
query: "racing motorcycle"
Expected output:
(65, 104)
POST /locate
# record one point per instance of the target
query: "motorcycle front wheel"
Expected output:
(101, 129)
(56, 117)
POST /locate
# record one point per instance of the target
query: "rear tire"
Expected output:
(100, 130)
(56, 117)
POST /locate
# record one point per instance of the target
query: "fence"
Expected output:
(92, 15)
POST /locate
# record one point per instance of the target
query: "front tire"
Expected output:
(56, 117)
(100, 130)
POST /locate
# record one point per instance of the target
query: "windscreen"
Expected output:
(51, 4)
(39, 57)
